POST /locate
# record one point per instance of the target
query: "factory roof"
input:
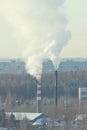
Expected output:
(22, 115)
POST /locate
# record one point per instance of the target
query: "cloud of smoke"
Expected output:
(41, 27)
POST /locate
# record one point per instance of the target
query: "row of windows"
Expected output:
(84, 93)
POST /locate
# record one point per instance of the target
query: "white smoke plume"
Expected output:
(41, 28)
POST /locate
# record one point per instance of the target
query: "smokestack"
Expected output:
(39, 106)
(56, 87)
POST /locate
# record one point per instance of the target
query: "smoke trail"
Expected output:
(41, 26)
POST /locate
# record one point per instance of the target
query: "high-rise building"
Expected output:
(12, 66)
(47, 66)
(73, 65)
(17, 66)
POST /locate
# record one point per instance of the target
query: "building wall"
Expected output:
(47, 66)
(72, 65)
(12, 66)
(82, 93)
(17, 66)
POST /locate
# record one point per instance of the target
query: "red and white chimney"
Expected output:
(39, 95)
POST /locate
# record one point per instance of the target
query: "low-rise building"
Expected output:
(22, 115)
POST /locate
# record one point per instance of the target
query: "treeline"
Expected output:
(17, 86)
(67, 83)
(24, 87)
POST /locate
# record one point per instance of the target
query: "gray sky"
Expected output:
(12, 45)
(77, 16)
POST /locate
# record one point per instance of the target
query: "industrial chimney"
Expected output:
(39, 107)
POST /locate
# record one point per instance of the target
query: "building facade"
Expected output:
(12, 66)
(17, 66)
